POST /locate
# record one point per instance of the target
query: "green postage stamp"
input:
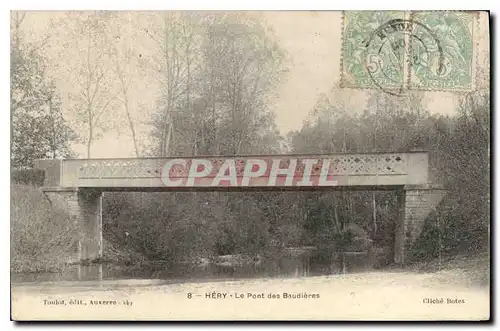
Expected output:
(396, 50)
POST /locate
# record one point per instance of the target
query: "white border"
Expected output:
(493, 5)
(252, 5)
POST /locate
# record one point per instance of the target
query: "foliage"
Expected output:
(38, 127)
(33, 177)
(218, 73)
(95, 92)
(43, 238)
(459, 159)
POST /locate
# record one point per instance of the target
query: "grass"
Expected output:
(466, 269)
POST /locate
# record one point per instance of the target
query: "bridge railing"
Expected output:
(346, 169)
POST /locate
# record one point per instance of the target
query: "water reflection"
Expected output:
(294, 262)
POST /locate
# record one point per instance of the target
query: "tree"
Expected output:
(244, 65)
(217, 73)
(38, 127)
(96, 91)
(173, 63)
(124, 81)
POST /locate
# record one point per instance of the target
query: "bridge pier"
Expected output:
(85, 205)
(415, 203)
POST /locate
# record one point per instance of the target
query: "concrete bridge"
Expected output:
(77, 185)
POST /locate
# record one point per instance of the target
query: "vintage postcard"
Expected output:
(259, 165)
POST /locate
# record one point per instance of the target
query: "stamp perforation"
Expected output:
(342, 26)
(408, 57)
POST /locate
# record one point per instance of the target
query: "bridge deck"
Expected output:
(269, 171)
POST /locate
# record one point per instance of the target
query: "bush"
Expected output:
(43, 238)
(33, 177)
(185, 226)
(451, 231)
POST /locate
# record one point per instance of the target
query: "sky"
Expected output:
(313, 43)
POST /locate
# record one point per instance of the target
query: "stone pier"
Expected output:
(415, 203)
(85, 208)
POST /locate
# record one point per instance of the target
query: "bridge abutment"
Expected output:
(85, 205)
(415, 203)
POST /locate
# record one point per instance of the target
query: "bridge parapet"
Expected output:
(369, 169)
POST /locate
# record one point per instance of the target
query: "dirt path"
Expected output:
(367, 296)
